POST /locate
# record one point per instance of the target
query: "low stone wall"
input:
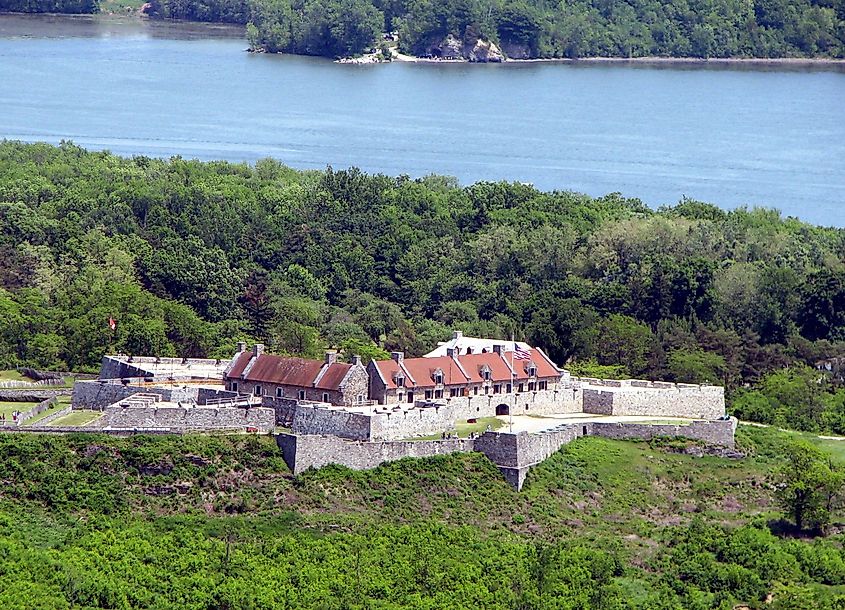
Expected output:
(187, 418)
(304, 452)
(413, 423)
(50, 418)
(718, 432)
(32, 395)
(36, 410)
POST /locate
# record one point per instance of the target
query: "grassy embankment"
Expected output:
(97, 521)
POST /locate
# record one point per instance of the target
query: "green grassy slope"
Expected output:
(219, 522)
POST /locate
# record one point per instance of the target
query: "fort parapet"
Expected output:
(513, 454)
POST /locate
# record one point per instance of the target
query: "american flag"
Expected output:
(520, 353)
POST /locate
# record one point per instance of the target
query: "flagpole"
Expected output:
(513, 385)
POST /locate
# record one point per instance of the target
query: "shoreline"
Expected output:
(691, 61)
(218, 27)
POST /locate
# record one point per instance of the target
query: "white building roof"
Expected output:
(462, 345)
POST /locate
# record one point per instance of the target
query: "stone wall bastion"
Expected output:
(513, 453)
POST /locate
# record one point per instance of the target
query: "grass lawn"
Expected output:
(464, 429)
(12, 375)
(7, 407)
(77, 418)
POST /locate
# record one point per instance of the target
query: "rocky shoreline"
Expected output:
(453, 51)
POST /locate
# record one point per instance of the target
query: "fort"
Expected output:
(509, 401)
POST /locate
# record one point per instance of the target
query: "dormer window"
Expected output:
(485, 373)
(438, 377)
(400, 381)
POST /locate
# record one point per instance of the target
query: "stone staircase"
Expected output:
(140, 400)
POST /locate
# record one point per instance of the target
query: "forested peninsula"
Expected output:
(191, 257)
(515, 29)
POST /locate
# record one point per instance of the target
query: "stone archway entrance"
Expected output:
(503, 409)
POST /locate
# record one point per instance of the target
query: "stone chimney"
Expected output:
(498, 348)
(241, 346)
(456, 334)
(257, 349)
(397, 356)
(331, 356)
(356, 360)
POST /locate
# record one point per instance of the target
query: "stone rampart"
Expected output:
(285, 409)
(514, 454)
(415, 422)
(99, 394)
(302, 452)
(635, 397)
(425, 418)
(539, 402)
(319, 418)
(187, 418)
(155, 368)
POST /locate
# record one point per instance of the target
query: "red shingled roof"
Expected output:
(241, 360)
(545, 367)
(333, 376)
(473, 363)
(288, 371)
(419, 372)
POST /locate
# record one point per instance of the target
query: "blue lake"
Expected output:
(730, 136)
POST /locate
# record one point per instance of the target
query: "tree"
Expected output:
(809, 486)
(623, 340)
(696, 366)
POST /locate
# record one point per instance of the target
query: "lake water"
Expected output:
(774, 137)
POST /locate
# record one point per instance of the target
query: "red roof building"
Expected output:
(254, 372)
(407, 380)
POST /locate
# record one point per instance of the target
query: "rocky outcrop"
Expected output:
(485, 51)
(452, 48)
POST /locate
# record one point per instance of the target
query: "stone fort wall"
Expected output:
(304, 452)
(514, 454)
(187, 418)
(98, 394)
(633, 397)
(116, 368)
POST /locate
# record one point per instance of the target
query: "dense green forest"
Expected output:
(522, 28)
(535, 28)
(190, 257)
(219, 522)
(50, 6)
